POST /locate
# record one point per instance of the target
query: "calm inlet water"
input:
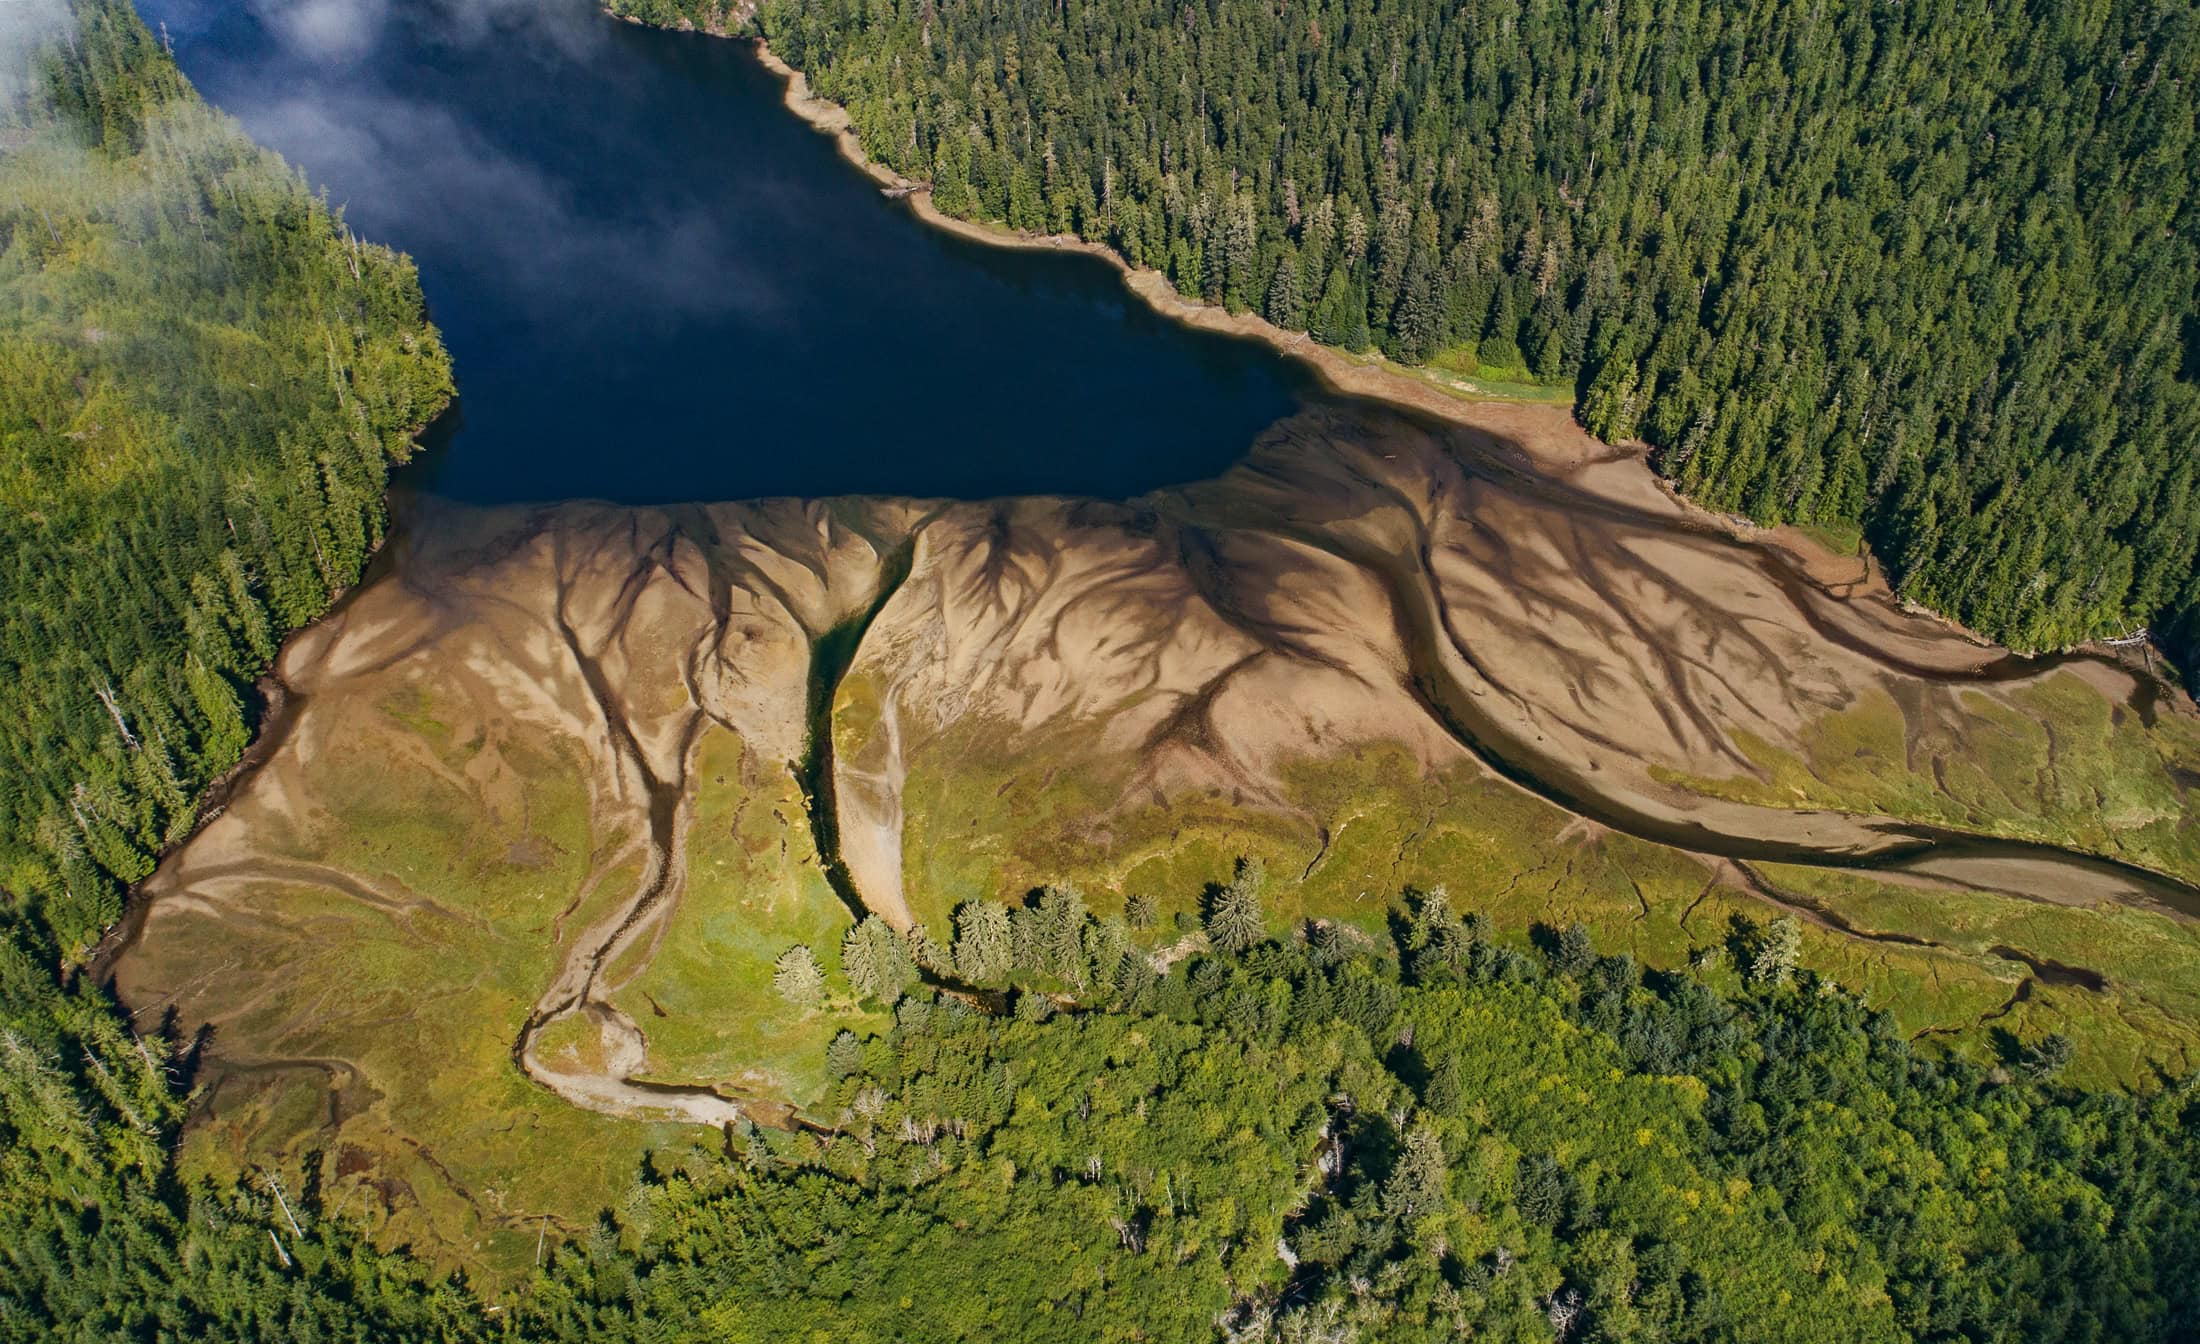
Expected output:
(658, 284)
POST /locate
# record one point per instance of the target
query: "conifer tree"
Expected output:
(1141, 911)
(1063, 915)
(984, 951)
(797, 977)
(1416, 1186)
(876, 961)
(925, 952)
(1236, 920)
(1284, 307)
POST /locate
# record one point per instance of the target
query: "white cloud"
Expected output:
(25, 26)
(325, 29)
(424, 165)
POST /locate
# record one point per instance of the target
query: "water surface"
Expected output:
(657, 284)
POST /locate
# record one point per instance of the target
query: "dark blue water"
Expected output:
(657, 284)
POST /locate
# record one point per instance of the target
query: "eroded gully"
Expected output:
(1465, 697)
(609, 1084)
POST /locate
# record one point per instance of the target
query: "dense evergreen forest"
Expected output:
(1928, 268)
(1230, 1129)
(203, 380)
(1309, 1135)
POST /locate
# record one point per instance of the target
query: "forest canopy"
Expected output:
(204, 379)
(1927, 269)
(1308, 1134)
(1078, 1126)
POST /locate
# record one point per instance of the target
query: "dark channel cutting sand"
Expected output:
(1366, 576)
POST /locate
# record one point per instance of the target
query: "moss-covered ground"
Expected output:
(2122, 983)
(2053, 761)
(994, 816)
(754, 889)
(386, 1019)
(475, 846)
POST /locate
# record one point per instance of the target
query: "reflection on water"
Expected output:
(659, 285)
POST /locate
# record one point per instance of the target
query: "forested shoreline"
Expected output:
(1923, 270)
(1230, 1128)
(203, 382)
